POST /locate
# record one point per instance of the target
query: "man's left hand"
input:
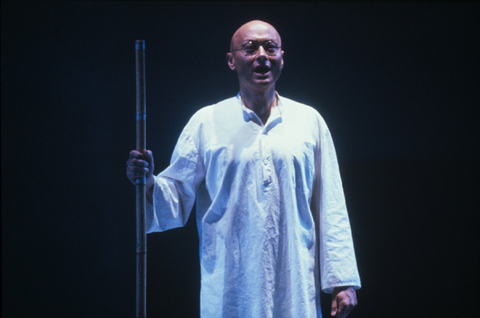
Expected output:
(343, 301)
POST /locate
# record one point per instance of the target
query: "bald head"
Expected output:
(248, 28)
(256, 55)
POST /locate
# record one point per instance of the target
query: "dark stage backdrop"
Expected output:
(398, 85)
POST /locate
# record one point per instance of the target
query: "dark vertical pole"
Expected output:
(141, 300)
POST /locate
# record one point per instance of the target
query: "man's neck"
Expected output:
(261, 103)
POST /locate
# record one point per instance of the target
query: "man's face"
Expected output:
(259, 70)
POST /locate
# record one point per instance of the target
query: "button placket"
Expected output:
(267, 160)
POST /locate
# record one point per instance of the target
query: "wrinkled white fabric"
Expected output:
(270, 209)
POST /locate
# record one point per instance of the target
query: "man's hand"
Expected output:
(343, 301)
(139, 165)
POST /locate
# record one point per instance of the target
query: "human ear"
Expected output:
(230, 61)
(281, 63)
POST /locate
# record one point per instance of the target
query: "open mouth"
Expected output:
(262, 69)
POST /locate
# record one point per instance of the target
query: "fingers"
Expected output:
(135, 154)
(135, 172)
(340, 307)
(133, 164)
(139, 165)
(342, 311)
(148, 155)
(140, 159)
(343, 302)
(334, 306)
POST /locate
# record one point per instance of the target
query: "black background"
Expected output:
(398, 85)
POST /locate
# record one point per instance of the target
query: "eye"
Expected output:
(250, 48)
(271, 47)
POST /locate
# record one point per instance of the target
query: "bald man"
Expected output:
(270, 208)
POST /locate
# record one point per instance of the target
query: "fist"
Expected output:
(140, 165)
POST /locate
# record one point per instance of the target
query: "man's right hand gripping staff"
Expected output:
(139, 165)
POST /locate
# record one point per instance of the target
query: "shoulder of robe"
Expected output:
(205, 115)
(306, 112)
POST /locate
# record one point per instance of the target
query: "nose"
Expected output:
(261, 54)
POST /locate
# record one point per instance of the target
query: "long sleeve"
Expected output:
(176, 186)
(337, 263)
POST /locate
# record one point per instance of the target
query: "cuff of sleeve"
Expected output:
(329, 289)
(151, 215)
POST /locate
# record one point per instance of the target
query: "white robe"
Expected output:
(271, 213)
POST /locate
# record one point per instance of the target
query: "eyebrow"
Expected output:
(273, 41)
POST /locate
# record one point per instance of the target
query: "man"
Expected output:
(271, 215)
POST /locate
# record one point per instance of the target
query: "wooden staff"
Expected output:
(140, 184)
